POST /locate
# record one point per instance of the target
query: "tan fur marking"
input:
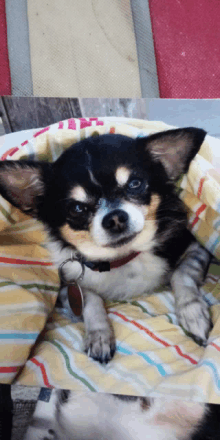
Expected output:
(143, 239)
(122, 175)
(74, 237)
(152, 208)
(79, 194)
(183, 415)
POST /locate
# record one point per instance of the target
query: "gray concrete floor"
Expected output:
(19, 48)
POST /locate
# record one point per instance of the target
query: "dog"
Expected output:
(116, 225)
(97, 416)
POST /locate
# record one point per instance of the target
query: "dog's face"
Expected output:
(108, 202)
(103, 194)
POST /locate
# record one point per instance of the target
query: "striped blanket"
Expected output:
(39, 347)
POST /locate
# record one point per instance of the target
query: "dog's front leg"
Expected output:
(100, 339)
(191, 309)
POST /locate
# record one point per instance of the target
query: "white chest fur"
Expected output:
(105, 417)
(141, 275)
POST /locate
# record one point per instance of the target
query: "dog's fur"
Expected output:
(97, 416)
(108, 196)
(117, 417)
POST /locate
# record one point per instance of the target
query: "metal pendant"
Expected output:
(75, 294)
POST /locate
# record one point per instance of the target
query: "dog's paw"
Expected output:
(195, 318)
(100, 345)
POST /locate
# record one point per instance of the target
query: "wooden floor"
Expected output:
(21, 113)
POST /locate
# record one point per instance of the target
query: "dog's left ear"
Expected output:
(175, 149)
(22, 183)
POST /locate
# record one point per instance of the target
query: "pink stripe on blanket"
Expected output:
(41, 131)
(72, 124)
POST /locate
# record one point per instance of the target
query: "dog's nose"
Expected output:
(116, 221)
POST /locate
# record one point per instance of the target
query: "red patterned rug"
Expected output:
(186, 39)
(5, 79)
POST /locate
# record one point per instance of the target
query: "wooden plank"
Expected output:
(75, 106)
(33, 112)
(130, 108)
(4, 117)
(2, 130)
(20, 113)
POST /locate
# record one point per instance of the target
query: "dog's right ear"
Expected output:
(22, 183)
(175, 149)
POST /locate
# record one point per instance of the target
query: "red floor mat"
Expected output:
(187, 47)
(5, 79)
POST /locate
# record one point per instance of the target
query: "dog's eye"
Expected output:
(134, 184)
(79, 208)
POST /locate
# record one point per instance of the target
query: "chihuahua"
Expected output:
(116, 225)
(98, 416)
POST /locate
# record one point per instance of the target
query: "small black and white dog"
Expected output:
(98, 416)
(110, 207)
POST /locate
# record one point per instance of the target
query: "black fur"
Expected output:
(209, 428)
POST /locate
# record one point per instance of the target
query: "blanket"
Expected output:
(40, 347)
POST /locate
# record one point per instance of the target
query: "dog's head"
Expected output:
(103, 194)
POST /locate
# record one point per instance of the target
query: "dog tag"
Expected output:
(75, 297)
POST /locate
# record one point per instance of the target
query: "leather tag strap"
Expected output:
(75, 298)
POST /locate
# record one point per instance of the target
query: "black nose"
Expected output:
(116, 221)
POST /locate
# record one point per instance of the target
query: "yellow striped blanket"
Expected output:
(154, 356)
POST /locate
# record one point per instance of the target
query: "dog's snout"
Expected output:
(116, 221)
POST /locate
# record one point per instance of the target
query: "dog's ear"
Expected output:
(22, 183)
(175, 149)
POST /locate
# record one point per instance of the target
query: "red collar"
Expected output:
(106, 266)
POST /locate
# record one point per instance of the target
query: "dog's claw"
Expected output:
(194, 317)
(100, 345)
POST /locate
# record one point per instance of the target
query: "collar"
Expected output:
(106, 266)
(75, 294)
